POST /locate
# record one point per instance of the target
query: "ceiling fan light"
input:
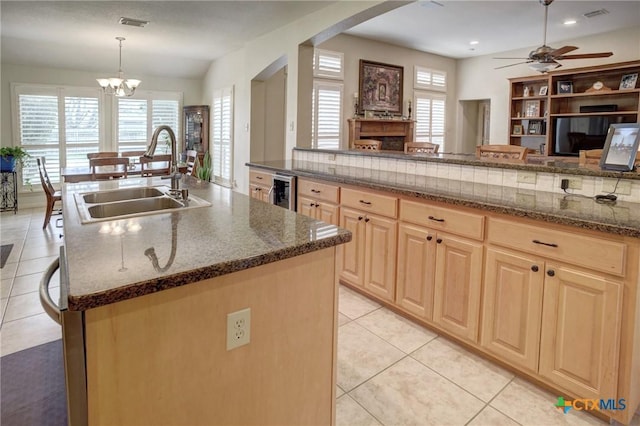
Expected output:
(544, 66)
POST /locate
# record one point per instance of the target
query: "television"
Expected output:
(572, 134)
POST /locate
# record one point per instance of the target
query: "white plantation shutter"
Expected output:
(81, 130)
(222, 136)
(327, 64)
(132, 124)
(430, 118)
(327, 113)
(425, 78)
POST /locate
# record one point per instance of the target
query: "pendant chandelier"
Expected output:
(118, 86)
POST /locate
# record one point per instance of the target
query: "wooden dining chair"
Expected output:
(53, 196)
(108, 168)
(191, 161)
(368, 144)
(507, 153)
(159, 165)
(421, 147)
(102, 154)
(591, 157)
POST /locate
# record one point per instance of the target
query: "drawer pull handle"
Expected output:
(551, 272)
(368, 203)
(534, 268)
(429, 238)
(315, 191)
(259, 177)
(439, 240)
(545, 244)
(436, 219)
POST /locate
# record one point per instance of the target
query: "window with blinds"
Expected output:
(327, 113)
(222, 136)
(327, 64)
(138, 117)
(430, 117)
(61, 124)
(428, 79)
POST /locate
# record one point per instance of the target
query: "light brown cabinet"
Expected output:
(260, 185)
(369, 260)
(319, 201)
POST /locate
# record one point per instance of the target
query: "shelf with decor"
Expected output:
(528, 111)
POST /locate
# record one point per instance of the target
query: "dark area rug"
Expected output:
(5, 251)
(32, 388)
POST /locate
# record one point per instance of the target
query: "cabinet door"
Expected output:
(327, 212)
(580, 336)
(416, 269)
(512, 307)
(458, 285)
(380, 256)
(351, 254)
(306, 206)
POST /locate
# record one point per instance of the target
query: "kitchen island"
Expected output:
(153, 293)
(496, 257)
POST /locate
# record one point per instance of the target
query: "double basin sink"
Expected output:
(131, 202)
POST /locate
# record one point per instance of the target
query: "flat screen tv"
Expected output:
(571, 134)
(621, 147)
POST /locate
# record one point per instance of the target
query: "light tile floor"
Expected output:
(390, 370)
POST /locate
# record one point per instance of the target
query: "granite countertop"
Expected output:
(622, 218)
(233, 234)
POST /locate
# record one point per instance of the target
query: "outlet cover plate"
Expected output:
(238, 328)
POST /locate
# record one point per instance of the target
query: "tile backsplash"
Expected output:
(589, 186)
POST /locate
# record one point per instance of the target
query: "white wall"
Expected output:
(478, 78)
(356, 48)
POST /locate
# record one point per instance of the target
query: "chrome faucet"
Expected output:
(175, 175)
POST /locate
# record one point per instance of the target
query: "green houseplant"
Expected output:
(13, 158)
(204, 170)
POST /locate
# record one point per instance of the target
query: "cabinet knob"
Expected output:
(439, 240)
(429, 238)
(534, 268)
(551, 272)
(317, 205)
(366, 219)
(360, 218)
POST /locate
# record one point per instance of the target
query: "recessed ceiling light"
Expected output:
(474, 42)
(570, 22)
(132, 22)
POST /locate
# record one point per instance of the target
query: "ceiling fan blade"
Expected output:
(509, 58)
(562, 50)
(585, 56)
(511, 65)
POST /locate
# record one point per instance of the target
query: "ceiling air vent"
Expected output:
(132, 22)
(595, 13)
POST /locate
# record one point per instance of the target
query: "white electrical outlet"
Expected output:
(238, 328)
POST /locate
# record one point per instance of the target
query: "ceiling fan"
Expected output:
(546, 58)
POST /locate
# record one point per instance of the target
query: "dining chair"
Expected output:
(421, 147)
(159, 165)
(368, 144)
(109, 168)
(192, 155)
(102, 154)
(588, 157)
(509, 153)
(52, 195)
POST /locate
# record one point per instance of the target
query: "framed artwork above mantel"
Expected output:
(380, 87)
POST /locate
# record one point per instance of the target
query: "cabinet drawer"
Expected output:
(261, 178)
(370, 202)
(318, 191)
(590, 252)
(440, 218)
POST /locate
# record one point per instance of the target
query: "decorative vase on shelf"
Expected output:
(526, 91)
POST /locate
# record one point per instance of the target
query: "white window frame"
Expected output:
(319, 71)
(61, 92)
(430, 136)
(429, 79)
(221, 136)
(331, 86)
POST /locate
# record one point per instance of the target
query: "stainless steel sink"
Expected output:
(122, 194)
(131, 202)
(125, 208)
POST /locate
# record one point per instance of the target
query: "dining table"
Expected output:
(83, 173)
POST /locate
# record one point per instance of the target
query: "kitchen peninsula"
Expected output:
(496, 257)
(154, 292)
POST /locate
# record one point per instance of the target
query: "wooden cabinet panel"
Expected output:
(416, 270)
(370, 202)
(306, 206)
(458, 285)
(260, 178)
(512, 306)
(443, 219)
(329, 213)
(351, 254)
(380, 256)
(593, 253)
(259, 192)
(319, 191)
(581, 331)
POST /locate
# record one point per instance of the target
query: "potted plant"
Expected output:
(203, 171)
(13, 158)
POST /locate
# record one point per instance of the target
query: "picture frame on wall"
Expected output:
(531, 108)
(565, 87)
(517, 129)
(381, 87)
(628, 81)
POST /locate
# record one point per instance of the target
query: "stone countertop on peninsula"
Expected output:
(622, 218)
(235, 233)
